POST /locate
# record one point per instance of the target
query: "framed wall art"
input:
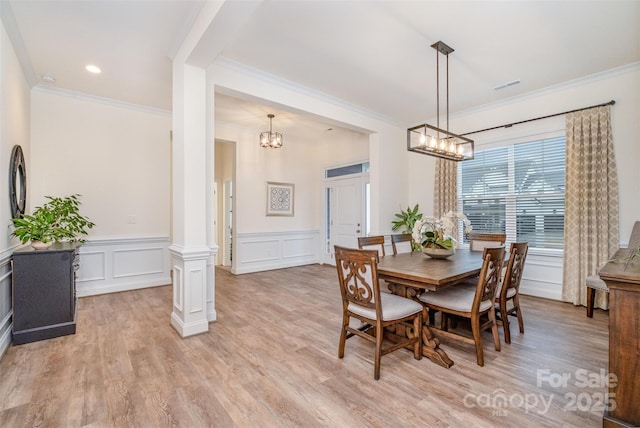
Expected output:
(280, 198)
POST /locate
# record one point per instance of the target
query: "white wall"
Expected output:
(342, 149)
(293, 163)
(117, 158)
(387, 142)
(299, 162)
(14, 130)
(267, 242)
(261, 242)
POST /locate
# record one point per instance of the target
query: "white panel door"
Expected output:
(345, 214)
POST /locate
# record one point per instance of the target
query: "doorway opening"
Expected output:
(347, 207)
(224, 176)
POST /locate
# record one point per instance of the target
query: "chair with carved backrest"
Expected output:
(362, 299)
(509, 291)
(401, 243)
(595, 283)
(471, 304)
(480, 241)
(372, 243)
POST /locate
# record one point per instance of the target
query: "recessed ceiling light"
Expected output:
(48, 79)
(93, 69)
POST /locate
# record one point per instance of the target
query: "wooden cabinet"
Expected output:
(623, 280)
(44, 292)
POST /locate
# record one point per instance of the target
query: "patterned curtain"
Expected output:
(591, 233)
(445, 195)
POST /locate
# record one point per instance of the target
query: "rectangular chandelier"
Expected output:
(432, 140)
(429, 140)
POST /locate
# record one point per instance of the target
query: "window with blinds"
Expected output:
(517, 190)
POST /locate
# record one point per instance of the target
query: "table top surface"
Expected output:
(419, 270)
(620, 270)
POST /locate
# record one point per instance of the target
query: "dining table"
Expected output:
(410, 274)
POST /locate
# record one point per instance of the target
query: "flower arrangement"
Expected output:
(431, 232)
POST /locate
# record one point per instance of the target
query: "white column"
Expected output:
(210, 212)
(189, 248)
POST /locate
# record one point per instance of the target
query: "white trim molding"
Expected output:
(6, 314)
(542, 276)
(112, 265)
(255, 252)
(191, 311)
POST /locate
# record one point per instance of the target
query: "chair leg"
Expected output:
(417, 331)
(504, 316)
(516, 304)
(477, 337)
(494, 328)
(591, 298)
(343, 336)
(378, 353)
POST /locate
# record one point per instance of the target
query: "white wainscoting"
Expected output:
(255, 252)
(6, 311)
(542, 276)
(120, 264)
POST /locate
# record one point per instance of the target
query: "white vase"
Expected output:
(39, 245)
(438, 253)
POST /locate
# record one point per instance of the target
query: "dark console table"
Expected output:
(44, 292)
(623, 280)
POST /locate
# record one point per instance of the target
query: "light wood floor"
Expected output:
(271, 361)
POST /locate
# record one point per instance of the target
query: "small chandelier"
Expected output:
(432, 140)
(270, 139)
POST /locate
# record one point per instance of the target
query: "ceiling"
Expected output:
(373, 55)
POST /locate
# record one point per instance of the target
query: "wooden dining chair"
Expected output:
(362, 299)
(509, 290)
(401, 243)
(372, 243)
(471, 304)
(480, 241)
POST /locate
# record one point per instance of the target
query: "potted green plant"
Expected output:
(57, 220)
(406, 220)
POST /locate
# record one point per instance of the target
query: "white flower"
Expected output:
(443, 227)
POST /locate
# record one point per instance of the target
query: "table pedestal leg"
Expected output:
(430, 344)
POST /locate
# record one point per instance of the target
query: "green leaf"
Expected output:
(57, 220)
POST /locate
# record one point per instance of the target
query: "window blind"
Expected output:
(517, 190)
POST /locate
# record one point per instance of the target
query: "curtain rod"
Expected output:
(509, 125)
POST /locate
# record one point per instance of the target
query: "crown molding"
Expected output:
(290, 85)
(100, 100)
(15, 37)
(607, 74)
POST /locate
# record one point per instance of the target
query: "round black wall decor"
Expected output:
(17, 182)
